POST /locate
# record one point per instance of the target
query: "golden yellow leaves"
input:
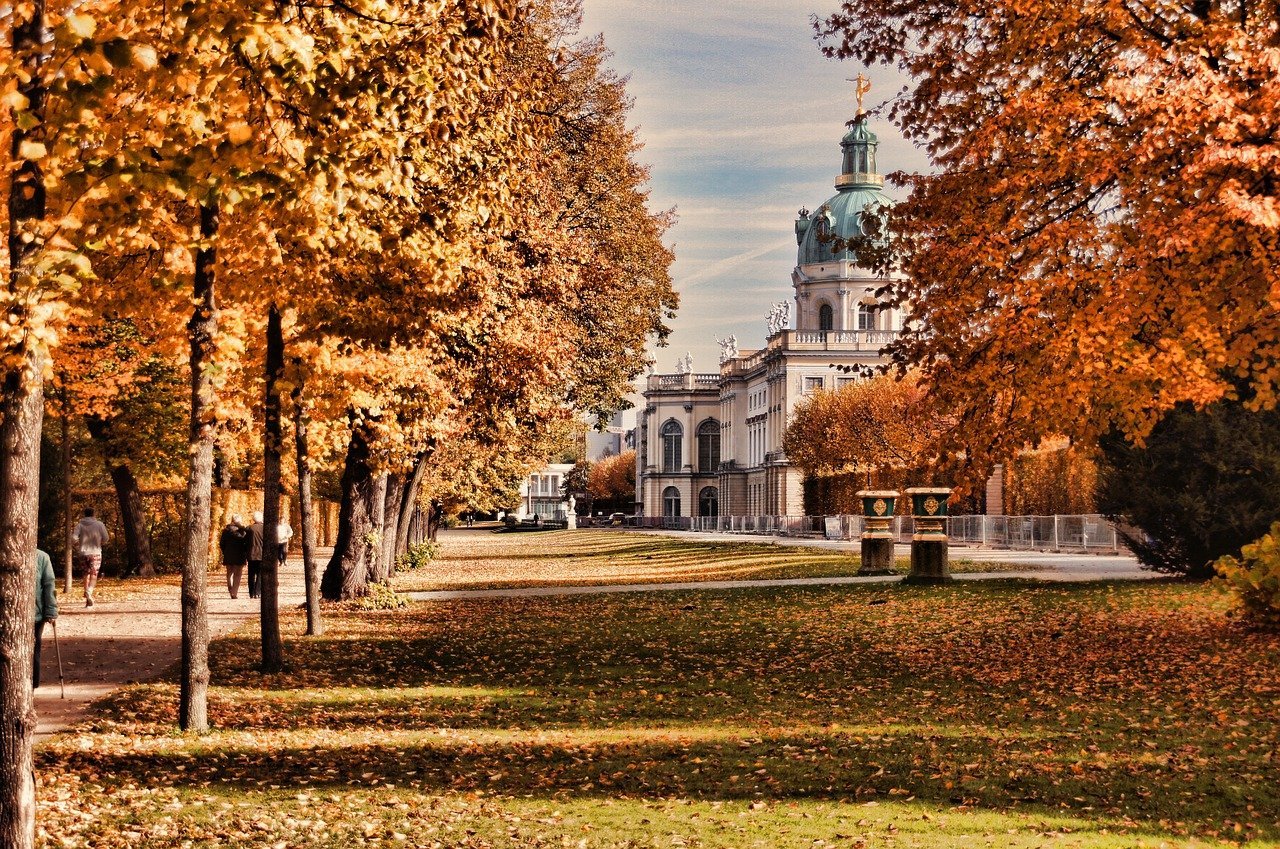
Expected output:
(32, 150)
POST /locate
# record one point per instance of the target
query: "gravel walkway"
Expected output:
(140, 639)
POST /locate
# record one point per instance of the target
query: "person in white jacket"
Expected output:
(88, 538)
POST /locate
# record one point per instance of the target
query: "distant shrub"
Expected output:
(380, 597)
(1206, 483)
(1255, 578)
(419, 555)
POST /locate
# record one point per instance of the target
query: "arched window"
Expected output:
(709, 446)
(866, 317)
(826, 318)
(709, 501)
(672, 439)
(671, 501)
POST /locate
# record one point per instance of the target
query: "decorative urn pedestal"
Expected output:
(929, 564)
(877, 536)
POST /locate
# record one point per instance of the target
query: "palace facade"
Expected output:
(711, 444)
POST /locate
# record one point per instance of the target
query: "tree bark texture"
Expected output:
(193, 692)
(137, 542)
(22, 406)
(347, 574)
(68, 520)
(307, 519)
(435, 512)
(409, 499)
(269, 582)
(415, 526)
(379, 571)
(391, 523)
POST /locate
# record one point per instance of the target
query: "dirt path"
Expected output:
(140, 639)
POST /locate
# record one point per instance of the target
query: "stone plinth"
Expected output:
(929, 559)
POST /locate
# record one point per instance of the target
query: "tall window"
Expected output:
(866, 317)
(709, 501)
(672, 437)
(671, 501)
(826, 318)
(709, 446)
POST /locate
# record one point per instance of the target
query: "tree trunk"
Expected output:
(347, 574)
(202, 329)
(272, 437)
(379, 571)
(435, 512)
(409, 499)
(390, 522)
(307, 519)
(22, 406)
(137, 542)
(68, 518)
(415, 526)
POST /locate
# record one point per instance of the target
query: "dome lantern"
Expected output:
(860, 185)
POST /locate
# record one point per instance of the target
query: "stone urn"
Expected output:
(929, 561)
(877, 531)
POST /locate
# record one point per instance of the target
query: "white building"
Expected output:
(541, 494)
(711, 444)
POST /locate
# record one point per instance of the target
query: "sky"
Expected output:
(741, 118)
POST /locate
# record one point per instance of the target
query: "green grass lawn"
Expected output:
(990, 714)
(486, 560)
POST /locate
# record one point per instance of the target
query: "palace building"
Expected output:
(711, 444)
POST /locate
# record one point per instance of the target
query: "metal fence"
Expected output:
(1043, 533)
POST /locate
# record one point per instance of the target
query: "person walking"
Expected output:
(255, 553)
(284, 533)
(88, 538)
(46, 607)
(234, 544)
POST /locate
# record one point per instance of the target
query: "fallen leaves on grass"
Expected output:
(1104, 715)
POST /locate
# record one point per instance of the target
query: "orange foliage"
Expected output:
(1099, 236)
(614, 478)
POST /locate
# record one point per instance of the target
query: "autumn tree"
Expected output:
(880, 432)
(130, 397)
(1053, 478)
(1096, 240)
(612, 480)
(551, 314)
(58, 66)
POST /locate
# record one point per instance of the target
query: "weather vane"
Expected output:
(862, 85)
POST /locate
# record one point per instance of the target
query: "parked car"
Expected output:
(618, 519)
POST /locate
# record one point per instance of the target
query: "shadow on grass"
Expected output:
(919, 766)
(1108, 701)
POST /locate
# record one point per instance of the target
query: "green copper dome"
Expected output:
(859, 185)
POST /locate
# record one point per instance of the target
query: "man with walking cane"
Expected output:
(46, 611)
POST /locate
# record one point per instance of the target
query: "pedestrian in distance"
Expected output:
(255, 553)
(88, 538)
(46, 607)
(284, 533)
(234, 543)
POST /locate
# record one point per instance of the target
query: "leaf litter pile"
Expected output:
(485, 560)
(989, 714)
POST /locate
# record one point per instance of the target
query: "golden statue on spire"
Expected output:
(862, 85)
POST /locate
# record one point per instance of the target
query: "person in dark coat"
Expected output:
(255, 554)
(46, 607)
(234, 543)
